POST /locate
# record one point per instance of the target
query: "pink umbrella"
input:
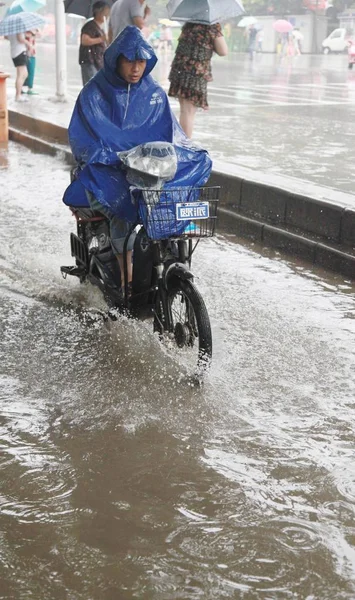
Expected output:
(282, 26)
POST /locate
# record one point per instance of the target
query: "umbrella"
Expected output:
(247, 21)
(169, 23)
(297, 35)
(25, 6)
(206, 12)
(282, 26)
(81, 7)
(21, 22)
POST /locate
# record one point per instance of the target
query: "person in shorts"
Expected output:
(18, 49)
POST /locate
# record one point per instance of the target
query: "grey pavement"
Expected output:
(288, 122)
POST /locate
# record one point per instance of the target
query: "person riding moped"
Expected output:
(120, 108)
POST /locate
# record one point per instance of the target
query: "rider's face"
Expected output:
(130, 70)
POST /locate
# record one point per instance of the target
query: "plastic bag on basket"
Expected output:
(150, 165)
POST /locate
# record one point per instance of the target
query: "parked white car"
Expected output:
(337, 41)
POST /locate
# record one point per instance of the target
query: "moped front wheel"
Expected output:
(190, 328)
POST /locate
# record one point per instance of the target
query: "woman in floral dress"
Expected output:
(191, 69)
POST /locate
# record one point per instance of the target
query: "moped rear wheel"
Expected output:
(191, 328)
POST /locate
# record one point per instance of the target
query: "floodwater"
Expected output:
(119, 478)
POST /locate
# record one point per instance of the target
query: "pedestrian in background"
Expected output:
(259, 40)
(252, 33)
(227, 32)
(93, 42)
(154, 37)
(30, 36)
(298, 37)
(127, 12)
(166, 38)
(191, 69)
(18, 50)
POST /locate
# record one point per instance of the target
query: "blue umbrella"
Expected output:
(206, 12)
(25, 6)
(20, 23)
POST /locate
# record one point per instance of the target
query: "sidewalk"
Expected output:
(48, 109)
(292, 121)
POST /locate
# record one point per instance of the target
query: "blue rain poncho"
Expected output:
(112, 115)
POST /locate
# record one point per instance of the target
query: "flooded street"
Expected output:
(119, 478)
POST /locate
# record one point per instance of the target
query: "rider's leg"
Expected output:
(187, 115)
(118, 233)
(129, 267)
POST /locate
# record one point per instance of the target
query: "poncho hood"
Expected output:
(133, 46)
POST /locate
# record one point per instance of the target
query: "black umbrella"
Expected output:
(81, 7)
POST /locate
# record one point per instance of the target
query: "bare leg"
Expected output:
(129, 267)
(21, 74)
(187, 116)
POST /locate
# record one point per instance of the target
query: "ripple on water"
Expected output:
(42, 479)
(345, 483)
(256, 560)
(296, 535)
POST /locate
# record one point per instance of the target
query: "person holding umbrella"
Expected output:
(191, 69)
(19, 46)
(200, 37)
(252, 33)
(13, 27)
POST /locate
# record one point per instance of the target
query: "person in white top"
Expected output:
(124, 13)
(18, 50)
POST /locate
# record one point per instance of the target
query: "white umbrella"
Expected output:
(247, 21)
(206, 12)
(169, 23)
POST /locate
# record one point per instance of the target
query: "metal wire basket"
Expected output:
(179, 212)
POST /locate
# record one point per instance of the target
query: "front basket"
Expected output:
(179, 212)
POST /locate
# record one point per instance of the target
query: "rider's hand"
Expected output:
(147, 11)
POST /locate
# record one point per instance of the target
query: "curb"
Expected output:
(310, 250)
(40, 145)
(318, 231)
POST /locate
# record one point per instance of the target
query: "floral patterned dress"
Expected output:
(191, 67)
